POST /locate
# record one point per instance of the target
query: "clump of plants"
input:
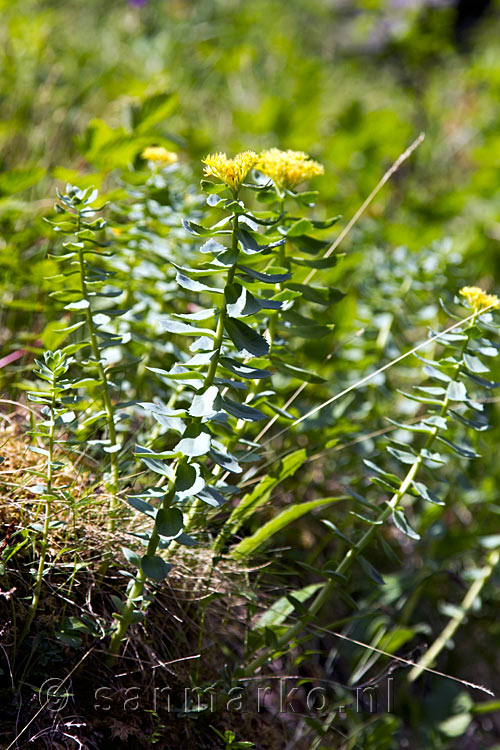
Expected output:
(200, 374)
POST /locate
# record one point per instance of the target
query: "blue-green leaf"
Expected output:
(155, 567)
(188, 480)
(205, 404)
(265, 278)
(243, 370)
(241, 411)
(403, 524)
(245, 338)
(169, 522)
(195, 441)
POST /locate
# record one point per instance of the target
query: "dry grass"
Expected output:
(195, 625)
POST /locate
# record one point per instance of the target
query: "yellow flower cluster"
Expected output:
(288, 168)
(159, 155)
(478, 299)
(230, 171)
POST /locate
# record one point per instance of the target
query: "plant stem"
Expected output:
(450, 629)
(137, 588)
(106, 397)
(214, 363)
(46, 524)
(353, 553)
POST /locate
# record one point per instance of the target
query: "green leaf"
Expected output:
(404, 456)
(455, 726)
(141, 506)
(371, 571)
(212, 187)
(153, 463)
(243, 370)
(200, 231)
(188, 480)
(195, 441)
(81, 305)
(131, 557)
(195, 286)
(205, 404)
(249, 545)
(241, 411)
(433, 372)
(403, 524)
(305, 198)
(250, 246)
(261, 493)
(460, 450)
(152, 110)
(309, 245)
(474, 364)
(155, 567)
(456, 391)
(184, 329)
(226, 460)
(245, 339)
(319, 295)
(211, 497)
(425, 493)
(337, 532)
(241, 303)
(199, 315)
(169, 522)
(265, 278)
(319, 263)
(483, 382)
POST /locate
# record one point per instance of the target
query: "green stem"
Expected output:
(273, 319)
(106, 397)
(137, 588)
(353, 553)
(135, 594)
(46, 524)
(214, 363)
(455, 622)
(219, 333)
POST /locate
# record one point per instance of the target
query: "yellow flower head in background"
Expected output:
(288, 168)
(159, 155)
(230, 171)
(478, 299)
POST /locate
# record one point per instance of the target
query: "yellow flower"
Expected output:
(288, 168)
(230, 171)
(478, 299)
(159, 155)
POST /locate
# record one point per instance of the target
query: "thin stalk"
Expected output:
(353, 553)
(46, 524)
(106, 397)
(455, 622)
